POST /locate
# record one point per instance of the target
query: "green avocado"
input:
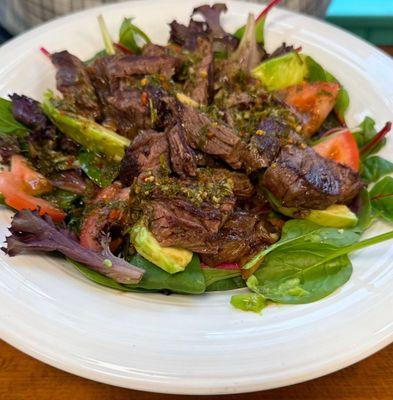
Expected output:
(170, 259)
(336, 216)
(281, 72)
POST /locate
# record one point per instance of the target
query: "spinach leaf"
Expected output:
(259, 31)
(249, 302)
(381, 197)
(317, 73)
(236, 282)
(8, 124)
(364, 213)
(191, 280)
(302, 275)
(299, 233)
(101, 171)
(365, 134)
(374, 168)
(130, 36)
(213, 275)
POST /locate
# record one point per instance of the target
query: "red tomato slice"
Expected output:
(312, 102)
(342, 148)
(33, 182)
(13, 191)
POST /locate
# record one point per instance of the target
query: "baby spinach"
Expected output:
(374, 168)
(364, 212)
(191, 280)
(213, 275)
(131, 36)
(249, 302)
(298, 275)
(317, 73)
(299, 233)
(381, 197)
(8, 124)
(236, 282)
(101, 171)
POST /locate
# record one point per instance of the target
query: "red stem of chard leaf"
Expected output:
(44, 51)
(272, 4)
(376, 139)
(122, 48)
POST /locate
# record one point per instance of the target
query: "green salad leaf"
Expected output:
(259, 31)
(365, 134)
(62, 198)
(8, 124)
(249, 302)
(381, 197)
(374, 168)
(299, 233)
(317, 73)
(101, 171)
(364, 214)
(236, 282)
(131, 36)
(106, 37)
(191, 280)
(299, 275)
(213, 275)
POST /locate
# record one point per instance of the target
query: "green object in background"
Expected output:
(372, 20)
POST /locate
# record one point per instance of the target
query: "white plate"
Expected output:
(195, 344)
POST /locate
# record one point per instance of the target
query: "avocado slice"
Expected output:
(336, 216)
(170, 259)
(281, 72)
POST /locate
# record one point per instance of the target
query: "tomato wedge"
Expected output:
(33, 182)
(342, 148)
(12, 188)
(311, 102)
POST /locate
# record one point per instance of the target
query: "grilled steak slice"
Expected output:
(241, 185)
(302, 178)
(147, 153)
(178, 222)
(74, 83)
(125, 66)
(242, 235)
(183, 158)
(131, 110)
(212, 138)
(199, 86)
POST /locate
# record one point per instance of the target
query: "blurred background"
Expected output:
(370, 19)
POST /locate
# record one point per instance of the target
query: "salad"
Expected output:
(206, 164)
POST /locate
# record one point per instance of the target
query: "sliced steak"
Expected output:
(131, 110)
(240, 183)
(183, 158)
(242, 235)
(199, 86)
(74, 83)
(212, 138)
(147, 153)
(125, 66)
(302, 178)
(178, 222)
